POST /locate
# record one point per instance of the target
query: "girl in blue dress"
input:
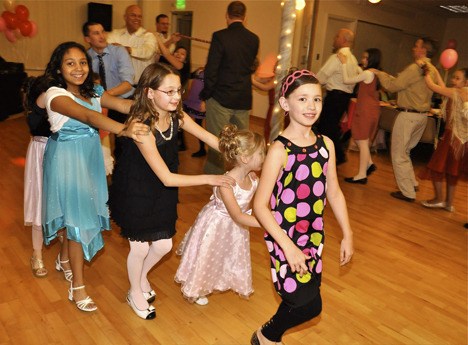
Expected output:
(74, 180)
(298, 177)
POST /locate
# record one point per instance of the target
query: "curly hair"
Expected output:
(54, 76)
(234, 143)
(143, 108)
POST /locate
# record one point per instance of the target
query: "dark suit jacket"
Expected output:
(230, 66)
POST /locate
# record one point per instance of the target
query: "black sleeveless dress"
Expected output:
(139, 202)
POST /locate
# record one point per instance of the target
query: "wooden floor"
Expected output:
(407, 283)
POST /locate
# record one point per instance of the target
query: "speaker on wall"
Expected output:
(100, 13)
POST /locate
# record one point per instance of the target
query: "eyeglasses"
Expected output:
(172, 93)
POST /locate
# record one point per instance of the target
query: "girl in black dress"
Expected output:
(143, 195)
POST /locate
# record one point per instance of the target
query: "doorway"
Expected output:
(183, 25)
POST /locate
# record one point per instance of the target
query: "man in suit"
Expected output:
(228, 86)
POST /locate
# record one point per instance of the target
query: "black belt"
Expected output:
(340, 92)
(407, 110)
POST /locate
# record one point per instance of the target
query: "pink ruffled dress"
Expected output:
(216, 250)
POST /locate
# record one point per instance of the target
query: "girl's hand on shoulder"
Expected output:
(296, 259)
(135, 130)
(346, 251)
(343, 58)
(220, 180)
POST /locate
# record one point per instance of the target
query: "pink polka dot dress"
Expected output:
(216, 250)
(298, 201)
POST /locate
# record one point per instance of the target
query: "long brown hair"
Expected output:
(143, 108)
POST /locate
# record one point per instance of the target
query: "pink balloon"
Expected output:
(33, 28)
(10, 35)
(2, 24)
(452, 44)
(448, 58)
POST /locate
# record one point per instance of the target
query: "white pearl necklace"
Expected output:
(162, 135)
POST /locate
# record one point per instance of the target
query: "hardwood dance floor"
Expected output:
(407, 283)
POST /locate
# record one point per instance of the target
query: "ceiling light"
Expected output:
(456, 8)
(374, 1)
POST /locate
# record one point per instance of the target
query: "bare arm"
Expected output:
(271, 168)
(229, 200)
(338, 204)
(120, 89)
(119, 104)
(263, 84)
(167, 54)
(439, 86)
(150, 152)
(200, 133)
(68, 107)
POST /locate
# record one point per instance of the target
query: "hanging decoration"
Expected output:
(15, 23)
(288, 20)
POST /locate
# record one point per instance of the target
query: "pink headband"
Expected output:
(292, 77)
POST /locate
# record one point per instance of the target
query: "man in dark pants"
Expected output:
(338, 93)
(228, 85)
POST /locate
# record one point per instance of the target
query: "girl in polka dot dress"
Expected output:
(216, 250)
(298, 179)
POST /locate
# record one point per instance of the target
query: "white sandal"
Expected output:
(68, 274)
(86, 304)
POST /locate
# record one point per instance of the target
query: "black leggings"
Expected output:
(287, 317)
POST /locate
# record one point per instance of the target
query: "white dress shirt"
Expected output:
(331, 74)
(142, 44)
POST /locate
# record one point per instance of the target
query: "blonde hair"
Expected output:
(234, 143)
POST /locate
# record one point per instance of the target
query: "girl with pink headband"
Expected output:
(298, 179)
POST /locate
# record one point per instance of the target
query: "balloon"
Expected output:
(10, 36)
(22, 13)
(2, 24)
(25, 28)
(448, 58)
(10, 20)
(17, 33)
(452, 44)
(9, 5)
(33, 28)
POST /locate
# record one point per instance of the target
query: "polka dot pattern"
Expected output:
(297, 201)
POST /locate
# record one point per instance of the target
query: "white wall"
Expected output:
(60, 21)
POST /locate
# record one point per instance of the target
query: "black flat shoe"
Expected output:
(399, 195)
(254, 339)
(199, 153)
(371, 169)
(359, 181)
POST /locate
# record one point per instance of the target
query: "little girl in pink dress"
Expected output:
(216, 250)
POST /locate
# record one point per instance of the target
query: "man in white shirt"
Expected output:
(140, 43)
(338, 93)
(162, 30)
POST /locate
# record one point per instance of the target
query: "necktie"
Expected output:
(102, 71)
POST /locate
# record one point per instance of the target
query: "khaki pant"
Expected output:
(217, 117)
(407, 131)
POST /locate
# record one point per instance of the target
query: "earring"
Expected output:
(58, 71)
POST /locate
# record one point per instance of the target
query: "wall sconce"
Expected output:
(300, 4)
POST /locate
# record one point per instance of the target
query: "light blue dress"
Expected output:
(74, 182)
